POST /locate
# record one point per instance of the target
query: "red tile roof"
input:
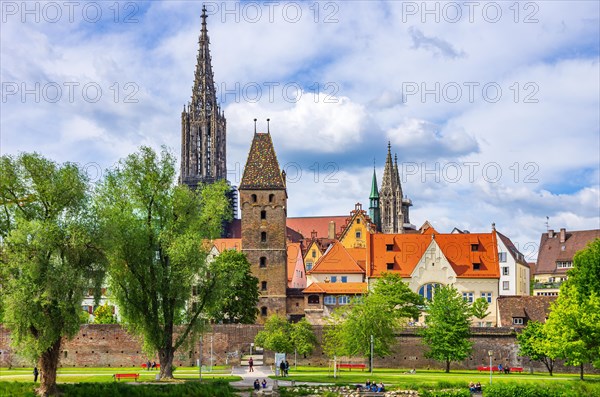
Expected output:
(262, 168)
(336, 288)
(534, 308)
(293, 256)
(552, 250)
(320, 224)
(222, 244)
(336, 260)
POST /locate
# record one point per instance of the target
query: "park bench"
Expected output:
(126, 376)
(144, 366)
(516, 369)
(350, 366)
(486, 368)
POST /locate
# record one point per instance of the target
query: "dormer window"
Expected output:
(518, 320)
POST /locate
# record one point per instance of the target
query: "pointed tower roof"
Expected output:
(389, 180)
(396, 178)
(204, 97)
(374, 189)
(262, 167)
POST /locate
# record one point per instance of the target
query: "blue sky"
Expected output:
(494, 114)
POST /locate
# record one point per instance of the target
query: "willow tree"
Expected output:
(48, 254)
(153, 230)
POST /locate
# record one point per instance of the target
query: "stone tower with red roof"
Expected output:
(263, 205)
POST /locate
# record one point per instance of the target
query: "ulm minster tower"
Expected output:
(203, 138)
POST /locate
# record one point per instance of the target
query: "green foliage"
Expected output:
(104, 315)
(214, 389)
(585, 275)
(549, 389)
(49, 255)
(573, 327)
(479, 308)
(281, 336)
(152, 233)
(446, 393)
(405, 303)
(447, 327)
(534, 343)
(239, 295)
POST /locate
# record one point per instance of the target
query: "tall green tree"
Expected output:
(573, 327)
(303, 337)
(380, 314)
(279, 335)
(152, 233)
(585, 275)
(447, 327)
(239, 298)
(48, 253)
(533, 343)
(479, 309)
(104, 315)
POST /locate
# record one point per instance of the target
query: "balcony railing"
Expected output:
(548, 285)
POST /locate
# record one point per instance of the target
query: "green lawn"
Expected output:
(103, 374)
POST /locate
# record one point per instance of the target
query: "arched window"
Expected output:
(263, 214)
(313, 299)
(254, 198)
(263, 261)
(428, 290)
(263, 237)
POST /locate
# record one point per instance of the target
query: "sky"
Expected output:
(491, 107)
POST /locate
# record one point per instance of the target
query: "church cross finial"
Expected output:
(255, 126)
(268, 126)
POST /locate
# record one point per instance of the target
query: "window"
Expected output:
(505, 271)
(344, 279)
(329, 300)
(505, 285)
(427, 290)
(476, 266)
(309, 266)
(474, 247)
(333, 279)
(263, 311)
(254, 198)
(502, 256)
(358, 234)
(263, 214)
(358, 221)
(487, 296)
(314, 253)
(564, 264)
(468, 296)
(343, 300)
(389, 247)
(518, 320)
(263, 237)
(390, 266)
(263, 286)
(271, 197)
(313, 299)
(263, 261)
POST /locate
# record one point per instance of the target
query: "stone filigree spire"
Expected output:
(204, 97)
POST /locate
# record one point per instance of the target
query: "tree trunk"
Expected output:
(549, 364)
(581, 371)
(447, 366)
(48, 365)
(166, 362)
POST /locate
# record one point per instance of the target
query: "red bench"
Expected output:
(350, 366)
(486, 368)
(516, 369)
(146, 365)
(126, 376)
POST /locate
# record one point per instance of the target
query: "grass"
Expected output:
(105, 374)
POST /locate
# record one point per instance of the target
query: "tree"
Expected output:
(533, 343)
(240, 296)
(152, 233)
(573, 327)
(48, 254)
(446, 331)
(303, 337)
(479, 309)
(104, 315)
(585, 275)
(379, 314)
(276, 335)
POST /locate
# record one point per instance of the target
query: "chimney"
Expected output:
(563, 235)
(550, 233)
(313, 234)
(331, 231)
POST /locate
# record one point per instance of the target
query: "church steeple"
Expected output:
(203, 126)
(393, 206)
(374, 212)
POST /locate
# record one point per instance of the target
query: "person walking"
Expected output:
(287, 368)
(251, 365)
(36, 372)
(282, 368)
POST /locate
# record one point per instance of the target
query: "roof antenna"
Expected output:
(547, 223)
(268, 126)
(255, 126)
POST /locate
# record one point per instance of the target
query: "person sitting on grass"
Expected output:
(478, 386)
(471, 387)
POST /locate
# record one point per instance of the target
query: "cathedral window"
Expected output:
(263, 214)
(428, 290)
(254, 198)
(313, 299)
(263, 237)
(263, 261)
(263, 286)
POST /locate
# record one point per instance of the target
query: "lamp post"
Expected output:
(490, 353)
